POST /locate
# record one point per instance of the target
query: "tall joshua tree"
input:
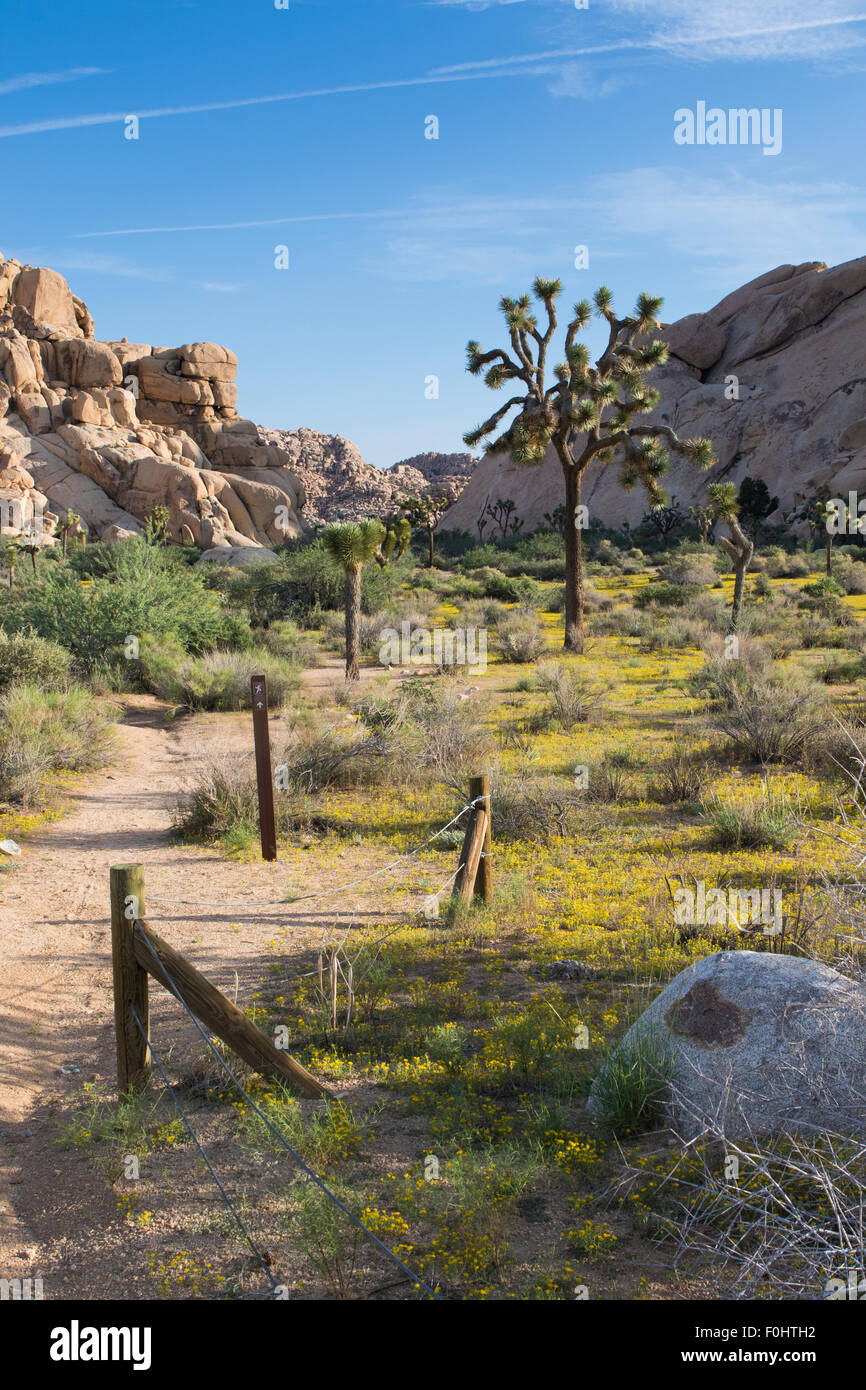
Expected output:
(351, 546)
(587, 412)
(723, 500)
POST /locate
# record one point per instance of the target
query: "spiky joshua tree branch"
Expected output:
(586, 413)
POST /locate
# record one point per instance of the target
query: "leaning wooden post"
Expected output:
(264, 774)
(130, 979)
(478, 787)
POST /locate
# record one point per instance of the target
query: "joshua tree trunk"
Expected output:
(353, 621)
(741, 550)
(829, 552)
(574, 633)
(432, 545)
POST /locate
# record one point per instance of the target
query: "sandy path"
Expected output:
(56, 1007)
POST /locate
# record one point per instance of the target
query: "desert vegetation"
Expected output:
(710, 730)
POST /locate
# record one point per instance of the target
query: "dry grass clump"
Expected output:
(572, 697)
(521, 637)
(46, 733)
(540, 809)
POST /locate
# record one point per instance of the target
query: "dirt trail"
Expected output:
(56, 1011)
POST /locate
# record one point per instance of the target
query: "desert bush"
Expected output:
(451, 735)
(782, 565)
(728, 670)
(689, 570)
(665, 595)
(45, 733)
(286, 640)
(750, 822)
(773, 722)
(215, 680)
(680, 778)
(521, 637)
(539, 809)
(146, 590)
(222, 804)
(850, 574)
(28, 659)
(573, 697)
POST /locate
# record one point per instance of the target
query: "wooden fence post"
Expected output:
(480, 786)
(264, 772)
(130, 978)
(476, 872)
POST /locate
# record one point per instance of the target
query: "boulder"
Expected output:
(696, 339)
(83, 362)
(238, 556)
(47, 297)
(758, 1043)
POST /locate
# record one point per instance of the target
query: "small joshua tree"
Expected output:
(704, 518)
(585, 415)
(665, 517)
(426, 513)
(502, 513)
(351, 546)
(723, 500)
(64, 528)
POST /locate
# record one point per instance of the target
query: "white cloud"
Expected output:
(27, 80)
(735, 226)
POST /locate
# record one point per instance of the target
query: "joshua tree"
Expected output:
(352, 546)
(556, 519)
(426, 513)
(704, 519)
(586, 415)
(65, 527)
(665, 517)
(502, 511)
(396, 538)
(723, 500)
(835, 518)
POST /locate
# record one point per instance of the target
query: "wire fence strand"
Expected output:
(331, 892)
(244, 1232)
(311, 1174)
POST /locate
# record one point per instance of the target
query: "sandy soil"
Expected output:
(56, 1011)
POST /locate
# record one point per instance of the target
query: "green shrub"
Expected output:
(147, 589)
(752, 822)
(46, 733)
(25, 658)
(521, 637)
(666, 595)
(215, 680)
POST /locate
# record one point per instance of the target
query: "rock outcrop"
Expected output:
(114, 430)
(774, 375)
(341, 486)
(754, 1042)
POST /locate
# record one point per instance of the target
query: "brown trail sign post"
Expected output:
(264, 774)
(138, 952)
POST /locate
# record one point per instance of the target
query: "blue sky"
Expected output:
(305, 127)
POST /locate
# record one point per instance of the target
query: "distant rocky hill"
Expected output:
(113, 430)
(774, 375)
(341, 486)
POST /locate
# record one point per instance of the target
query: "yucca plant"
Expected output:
(586, 415)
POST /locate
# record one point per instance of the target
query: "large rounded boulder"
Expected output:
(753, 1042)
